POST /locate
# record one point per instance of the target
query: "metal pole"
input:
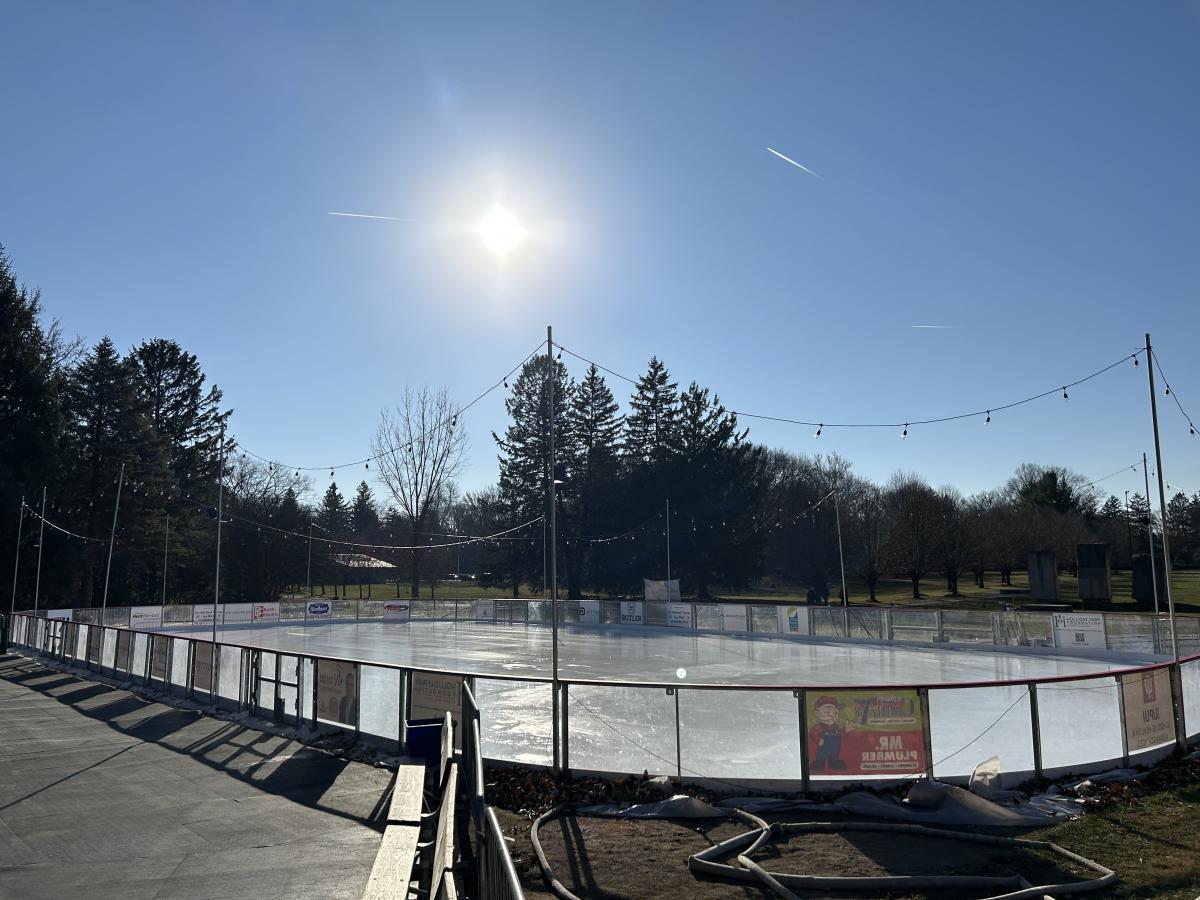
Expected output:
(37, 583)
(553, 551)
(308, 577)
(220, 498)
(841, 557)
(668, 549)
(1129, 521)
(166, 547)
(111, 539)
(17, 558)
(1162, 501)
(1150, 532)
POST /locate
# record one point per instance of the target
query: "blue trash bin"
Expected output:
(425, 738)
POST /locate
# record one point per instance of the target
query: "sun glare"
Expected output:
(501, 231)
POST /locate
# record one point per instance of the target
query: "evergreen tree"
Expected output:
(650, 424)
(595, 471)
(364, 520)
(525, 453)
(333, 516)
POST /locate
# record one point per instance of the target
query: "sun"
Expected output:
(501, 231)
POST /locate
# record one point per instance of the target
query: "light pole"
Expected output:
(166, 549)
(1150, 534)
(112, 537)
(1162, 502)
(220, 498)
(1129, 521)
(37, 583)
(17, 558)
(556, 729)
(841, 557)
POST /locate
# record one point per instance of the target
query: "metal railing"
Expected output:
(745, 734)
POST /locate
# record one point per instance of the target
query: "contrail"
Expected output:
(365, 216)
(936, 326)
(796, 164)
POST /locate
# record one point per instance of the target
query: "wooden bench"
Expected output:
(392, 872)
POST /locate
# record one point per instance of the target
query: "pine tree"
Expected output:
(333, 516)
(525, 453)
(364, 520)
(654, 409)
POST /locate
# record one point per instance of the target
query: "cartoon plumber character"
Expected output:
(826, 735)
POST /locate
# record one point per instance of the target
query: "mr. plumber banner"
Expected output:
(864, 733)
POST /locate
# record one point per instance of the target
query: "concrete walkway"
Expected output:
(105, 794)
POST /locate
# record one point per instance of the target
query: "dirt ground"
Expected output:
(631, 860)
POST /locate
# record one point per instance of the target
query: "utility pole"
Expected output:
(220, 498)
(1129, 518)
(308, 576)
(1150, 532)
(1162, 501)
(553, 554)
(166, 547)
(112, 537)
(841, 557)
(17, 558)
(668, 549)
(37, 583)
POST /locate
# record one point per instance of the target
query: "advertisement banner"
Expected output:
(1149, 719)
(432, 695)
(589, 612)
(264, 613)
(202, 667)
(397, 610)
(631, 612)
(318, 609)
(158, 657)
(733, 617)
(337, 691)
(662, 591)
(485, 610)
(58, 614)
(1079, 630)
(793, 620)
(235, 614)
(202, 614)
(679, 615)
(144, 618)
(855, 733)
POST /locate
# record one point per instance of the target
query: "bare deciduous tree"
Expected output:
(420, 451)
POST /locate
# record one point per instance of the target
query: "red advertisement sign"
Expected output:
(856, 733)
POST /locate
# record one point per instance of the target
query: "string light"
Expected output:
(1065, 397)
(988, 420)
(818, 434)
(904, 434)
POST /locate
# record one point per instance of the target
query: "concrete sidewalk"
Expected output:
(105, 794)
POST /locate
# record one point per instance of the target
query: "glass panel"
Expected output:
(708, 617)
(622, 729)
(1080, 722)
(306, 684)
(764, 619)
(229, 685)
(866, 623)
(1130, 633)
(108, 649)
(379, 703)
(514, 721)
(179, 661)
(138, 666)
(1190, 674)
(967, 626)
(914, 625)
(739, 734)
(969, 725)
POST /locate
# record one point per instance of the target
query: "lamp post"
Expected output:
(112, 537)
(556, 727)
(1162, 502)
(37, 583)
(220, 498)
(1149, 534)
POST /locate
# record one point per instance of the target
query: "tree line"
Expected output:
(80, 421)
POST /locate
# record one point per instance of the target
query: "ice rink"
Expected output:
(732, 734)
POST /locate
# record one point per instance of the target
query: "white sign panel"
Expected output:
(1079, 630)
(679, 615)
(319, 609)
(202, 615)
(733, 617)
(589, 612)
(1149, 719)
(432, 695)
(264, 613)
(397, 610)
(793, 620)
(337, 691)
(59, 614)
(235, 614)
(485, 610)
(662, 591)
(142, 618)
(631, 612)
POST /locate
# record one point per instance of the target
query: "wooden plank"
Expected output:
(393, 864)
(407, 791)
(443, 845)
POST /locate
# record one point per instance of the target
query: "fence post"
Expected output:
(941, 627)
(565, 734)
(405, 686)
(887, 621)
(678, 747)
(926, 731)
(1177, 707)
(802, 721)
(1035, 724)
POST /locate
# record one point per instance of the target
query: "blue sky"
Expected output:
(1025, 171)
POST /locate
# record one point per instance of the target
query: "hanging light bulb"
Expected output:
(988, 420)
(1168, 390)
(1191, 428)
(904, 433)
(1065, 397)
(367, 466)
(506, 382)
(818, 434)
(331, 472)
(1135, 360)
